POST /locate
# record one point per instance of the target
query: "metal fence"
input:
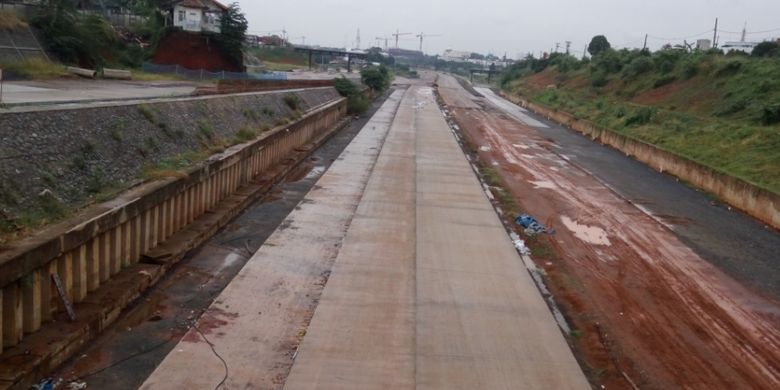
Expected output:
(203, 74)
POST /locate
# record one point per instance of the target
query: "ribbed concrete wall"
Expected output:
(760, 203)
(86, 252)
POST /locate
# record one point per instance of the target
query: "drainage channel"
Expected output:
(127, 353)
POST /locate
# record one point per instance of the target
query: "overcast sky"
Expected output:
(511, 26)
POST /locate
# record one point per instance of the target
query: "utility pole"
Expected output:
(644, 47)
(715, 35)
(557, 45)
(744, 33)
(568, 46)
(585, 50)
(357, 40)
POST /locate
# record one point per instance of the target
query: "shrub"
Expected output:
(376, 78)
(766, 49)
(663, 80)
(733, 108)
(357, 104)
(640, 117)
(598, 80)
(345, 87)
(148, 113)
(770, 115)
(608, 62)
(292, 101)
(690, 69)
(638, 66)
(245, 134)
(728, 68)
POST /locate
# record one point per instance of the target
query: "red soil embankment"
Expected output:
(194, 51)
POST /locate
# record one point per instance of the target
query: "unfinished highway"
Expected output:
(394, 272)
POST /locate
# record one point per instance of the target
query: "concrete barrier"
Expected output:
(88, 73)
(117, 74)
(757, 202)
(92, 249)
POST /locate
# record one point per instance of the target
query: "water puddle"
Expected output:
(590, 234)
(544, 184)
(315, 172)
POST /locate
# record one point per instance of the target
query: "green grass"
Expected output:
(280, 56)
(9, 20)
(36, 69)
(719, 115)
(139, 75)
(282, 67)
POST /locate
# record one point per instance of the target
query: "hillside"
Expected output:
(720, 110)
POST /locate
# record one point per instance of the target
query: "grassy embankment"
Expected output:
(280, 58)
(722, 111)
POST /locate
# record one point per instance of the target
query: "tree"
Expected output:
(598, 45)
(766, 49)
(233, 26)
(376, 78)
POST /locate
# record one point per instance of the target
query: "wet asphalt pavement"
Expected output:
(127, 353)
(736, 243)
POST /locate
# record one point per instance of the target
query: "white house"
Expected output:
(454, 55)
(742, 46)
(197, 15)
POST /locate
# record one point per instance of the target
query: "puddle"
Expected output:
(315, 172)
(590, 234)
(521, 146)
(544, 184)
(485, 148)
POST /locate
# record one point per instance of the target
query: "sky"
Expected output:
(511, 27)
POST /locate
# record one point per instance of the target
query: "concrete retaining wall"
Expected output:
(760, 203)
(89, 250)
(74, 155)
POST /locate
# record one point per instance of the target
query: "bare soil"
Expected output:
(648, 311)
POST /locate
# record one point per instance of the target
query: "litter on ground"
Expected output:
(531, 226)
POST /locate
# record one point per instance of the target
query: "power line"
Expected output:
(752, 32)
(679, 38)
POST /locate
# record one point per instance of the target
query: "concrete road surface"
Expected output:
(425, 291)
(61, 91)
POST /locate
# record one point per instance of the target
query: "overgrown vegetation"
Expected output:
(34, 68)
(356, 102)
(722, 110)
(9, 20)
(233, 26)
(376, 77)
(292, 101)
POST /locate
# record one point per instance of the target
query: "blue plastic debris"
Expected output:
(531, 225)
(46, 384)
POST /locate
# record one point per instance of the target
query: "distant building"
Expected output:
(403, 53)
(703, 44)
(746, 47)
(455, 55)
(196, 15)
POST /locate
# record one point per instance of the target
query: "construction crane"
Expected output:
(397, 34)
(379, 41)
(422, 35)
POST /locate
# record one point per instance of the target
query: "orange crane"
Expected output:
(421, 36)
(397, 34)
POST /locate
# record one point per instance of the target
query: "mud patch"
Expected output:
(589, 234)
